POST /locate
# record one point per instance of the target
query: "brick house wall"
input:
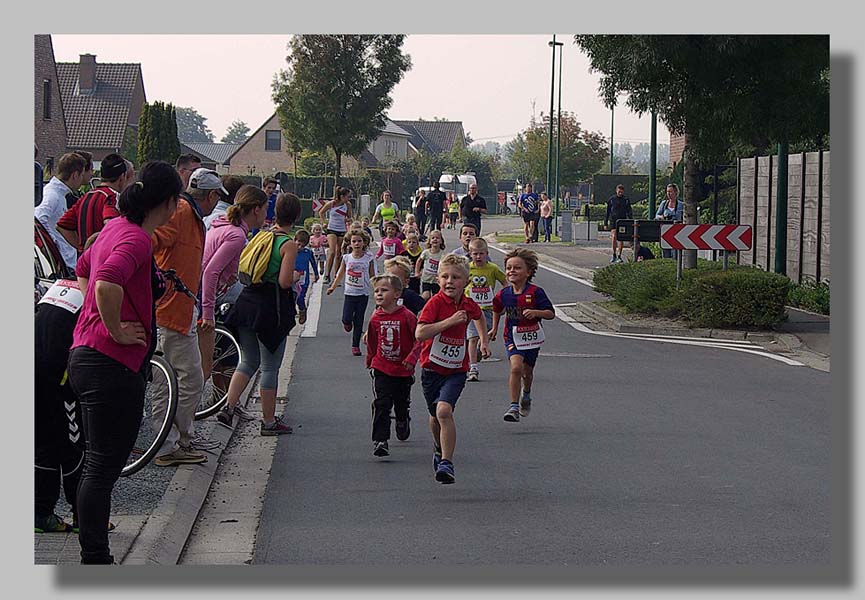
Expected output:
(49, 133)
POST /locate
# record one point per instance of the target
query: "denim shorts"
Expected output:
(530, 357)
(472, 331)
(441, 388)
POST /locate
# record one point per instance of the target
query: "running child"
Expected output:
(468, 232)
(483, 275)
(304, 262)
(364, 224)
(442, 330)
(391, 354)
(318, 243)
(390, 245)
(358, 266)
(524, 305)
(400, 266)
(410, 226)
(454, 211)
(427, 266)
(413, 251)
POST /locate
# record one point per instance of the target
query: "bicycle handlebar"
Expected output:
(171, 275)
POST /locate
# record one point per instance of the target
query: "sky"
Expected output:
(487, 81)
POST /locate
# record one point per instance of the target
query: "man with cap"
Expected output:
(90, 212)
(179, 245)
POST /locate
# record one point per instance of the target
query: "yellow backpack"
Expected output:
(255, 257)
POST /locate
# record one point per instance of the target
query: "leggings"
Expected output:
(256, 354)
(353, 310)
(112, 403)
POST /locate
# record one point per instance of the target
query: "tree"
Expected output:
(237, 133)
(337, 88)
(192, 127)
(157, 134)
(721, 90)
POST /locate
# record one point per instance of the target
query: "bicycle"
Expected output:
(226, 356)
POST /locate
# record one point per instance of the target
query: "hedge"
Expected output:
(810, 295)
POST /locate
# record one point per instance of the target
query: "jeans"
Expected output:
(353, 311)
(301, 297)
(421, 222)
(548, 227)
(436, 219)
(112, 402)
(255, 354)
(536, 217)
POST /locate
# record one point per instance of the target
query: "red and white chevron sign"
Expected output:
(676, 236)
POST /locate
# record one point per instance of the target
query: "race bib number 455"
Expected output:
(447, 352)
(528, 337)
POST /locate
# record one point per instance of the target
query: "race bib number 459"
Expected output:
(447, 352)
(528, 337)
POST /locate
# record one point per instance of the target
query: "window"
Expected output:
(390, 148)
(46, 99)
(273, 140)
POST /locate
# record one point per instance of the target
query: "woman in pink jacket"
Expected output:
(225, 241)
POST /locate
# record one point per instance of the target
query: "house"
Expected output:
(435, 137)
(101, 104)
(391, 146)
(49, 126)
(216, 156)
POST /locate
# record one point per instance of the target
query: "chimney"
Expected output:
(87, 74)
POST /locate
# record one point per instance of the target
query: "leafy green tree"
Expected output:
(337, 89)
(237, 133)
(721, 90)
(192, 127)
(157, 134)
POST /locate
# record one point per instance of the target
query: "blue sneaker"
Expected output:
(445, 472)
(525, 404)
(437, 457)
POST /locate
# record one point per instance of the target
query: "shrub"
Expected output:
(811, 295)
(743, 297)
(310, 221)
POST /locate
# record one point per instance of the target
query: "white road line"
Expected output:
(582, 328)
(557, 272)
(310, 328)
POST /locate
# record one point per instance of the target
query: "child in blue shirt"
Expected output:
(305, 259)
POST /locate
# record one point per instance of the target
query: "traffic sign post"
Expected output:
(649, 230)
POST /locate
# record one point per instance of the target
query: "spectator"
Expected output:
(86, 179)
(546, 212)
(270, 186)
(186, 165)
(70, 174)
(39, 176)
(231, 183)
(179, 245)
(670, 210)
(387, 210)
(93, 210)
(472, 207)
(644, 253)
(618, 207)
(436, 204)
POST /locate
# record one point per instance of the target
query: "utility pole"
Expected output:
(653, 165)
(781, 211)
(612, 121)
(552, 99)
(558, 140)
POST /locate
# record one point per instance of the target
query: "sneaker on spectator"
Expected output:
(445, 472)
(513, 413)
(275, 428)
(225, 416)
(201, 443)
(403, 430)
(180, 456)
(613, 259)
(243, 414)
(51, 524)
(380, 448)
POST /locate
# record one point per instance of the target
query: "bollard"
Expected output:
(566, 229)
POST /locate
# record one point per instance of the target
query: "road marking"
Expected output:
(685, 342)
(550, 269)
(310, 328)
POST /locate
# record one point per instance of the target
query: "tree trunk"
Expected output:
(337, 168)
(690, 181)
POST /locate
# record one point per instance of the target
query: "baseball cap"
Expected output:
(206, 179)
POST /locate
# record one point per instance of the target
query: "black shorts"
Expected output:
(334, 232)
(528, 218)
(429, 287)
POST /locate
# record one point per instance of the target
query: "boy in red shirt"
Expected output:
(444, 360)
(392, 352)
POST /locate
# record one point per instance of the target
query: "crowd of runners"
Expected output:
(98, 325)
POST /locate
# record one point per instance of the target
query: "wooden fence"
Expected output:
(808, 196)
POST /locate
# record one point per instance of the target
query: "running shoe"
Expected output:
(473, 375)
(347, 327)
(525, 404)
(201, 443)
(225, 416)
(355, 351)
(301, 317)
(245, 415)
(437, 458)
(180, 456)
(51, 524)
(513, 413)
(445, 472)
(380, 449)
(403, 430)
(275, 428)
(613, 259)
(327, 279)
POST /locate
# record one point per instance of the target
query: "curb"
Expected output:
(586, 274)
(162, 538)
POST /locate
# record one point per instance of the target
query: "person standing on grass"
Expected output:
(263, 315)
(444, 362)
(547, 216)
(524, 305)
(618, 207)
(671, 209)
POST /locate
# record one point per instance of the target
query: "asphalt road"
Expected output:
(636, 453)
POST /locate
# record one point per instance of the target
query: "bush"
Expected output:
(743, 297)
(811, 295)
(310, 221)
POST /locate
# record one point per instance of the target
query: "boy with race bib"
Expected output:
(483, 275)
(444, 362)
(358, 267)
(524, 305)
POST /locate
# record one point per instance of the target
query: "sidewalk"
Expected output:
(802, 332)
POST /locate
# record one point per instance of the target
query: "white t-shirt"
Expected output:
(357, 279)
(430, 268)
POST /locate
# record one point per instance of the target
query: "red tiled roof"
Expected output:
(98, 120)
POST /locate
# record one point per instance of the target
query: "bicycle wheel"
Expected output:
(163, 383)
(226, 357)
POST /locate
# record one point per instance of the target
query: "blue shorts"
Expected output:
(472, 331)
(441, 388)
(530, 357)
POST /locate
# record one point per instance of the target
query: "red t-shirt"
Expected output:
(390, 340)
(442, 352)
(98, 204)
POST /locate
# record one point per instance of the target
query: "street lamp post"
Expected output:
(558, 135)
(612, 120)
(552, 99)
